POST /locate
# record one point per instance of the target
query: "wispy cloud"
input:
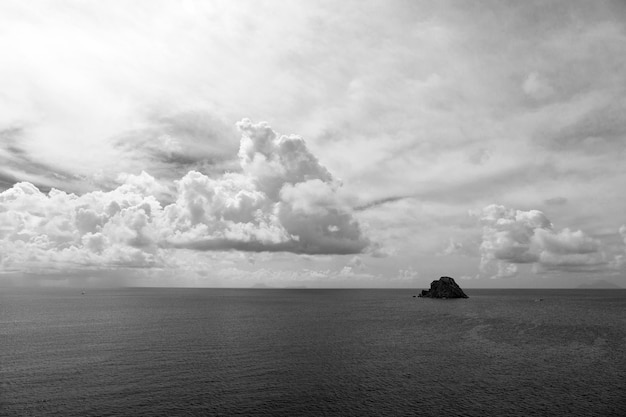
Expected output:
(169, 146)
(17, 165)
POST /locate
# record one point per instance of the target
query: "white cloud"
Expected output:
(284, 200)
(398, 99)
(57, 230)
(512, 237)
(142, 184)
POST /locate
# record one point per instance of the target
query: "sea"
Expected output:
(310, 352)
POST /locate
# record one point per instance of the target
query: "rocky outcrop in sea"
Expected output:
(444, 287)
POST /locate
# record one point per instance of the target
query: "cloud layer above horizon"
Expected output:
(512, 237)
(281, 200)
(119, 143)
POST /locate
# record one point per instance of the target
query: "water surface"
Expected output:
(312, 352)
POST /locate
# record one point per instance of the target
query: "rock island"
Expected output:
(444, 287)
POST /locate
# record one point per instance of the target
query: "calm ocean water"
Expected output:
(168, 352)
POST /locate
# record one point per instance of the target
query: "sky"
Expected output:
(314, 144)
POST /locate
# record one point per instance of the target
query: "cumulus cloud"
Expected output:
(511, 237)
(282, 200)
(40, 230)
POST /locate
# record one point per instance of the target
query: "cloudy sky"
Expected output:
(312, 143)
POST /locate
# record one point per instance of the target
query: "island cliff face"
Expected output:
(445, 287)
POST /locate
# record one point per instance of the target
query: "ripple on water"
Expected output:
(299, 352)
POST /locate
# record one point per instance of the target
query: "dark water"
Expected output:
(159, 352)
